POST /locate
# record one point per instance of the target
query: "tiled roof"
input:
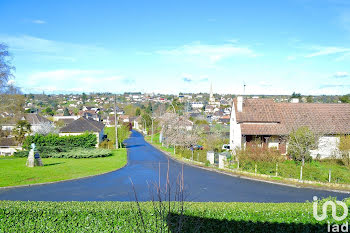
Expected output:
(35, 119)
(82, 125)
(259, 110)
(265, 117)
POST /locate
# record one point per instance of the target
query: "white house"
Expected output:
(8, 146)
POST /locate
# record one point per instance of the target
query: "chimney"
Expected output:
(239, 103)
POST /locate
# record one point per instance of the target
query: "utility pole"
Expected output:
(152, 130)
(116, 122)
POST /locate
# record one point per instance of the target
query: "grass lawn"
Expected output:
(317, 171)
(197, 217)
(13, 171)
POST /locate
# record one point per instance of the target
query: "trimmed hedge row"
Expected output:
(80, 153)
(123, 217)
(76, 153)
(49, 145)
(86, 140)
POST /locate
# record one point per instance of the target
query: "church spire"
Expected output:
(211, 90)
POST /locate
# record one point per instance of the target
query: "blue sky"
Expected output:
(275, 47)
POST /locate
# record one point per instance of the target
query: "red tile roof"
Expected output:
(265, 117)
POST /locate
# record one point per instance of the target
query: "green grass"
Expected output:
(198, 155)
(317, 171)
(312, 171)
(13, 171)
(123, 217)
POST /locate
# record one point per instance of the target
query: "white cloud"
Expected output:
(341, 74)
(38, 21)
(77, 81)
(212, 53)
(43, 48)
(322, 51)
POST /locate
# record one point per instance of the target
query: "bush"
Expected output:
(21, 154)
(86, 140)
(80, 153)
(301, 142)
(120, 217)
(256, 152)
(48, 145)
(107, 144)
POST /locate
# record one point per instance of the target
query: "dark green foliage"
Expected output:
(80, 153)
(122, 217)
(296, 95)
(345, 98)
(86, 140)
(21, 154)
(76, 153)
(66, 112)
(84, 98)
(49, 111)
(138, 112)
(47, 145)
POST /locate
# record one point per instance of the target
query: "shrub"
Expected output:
(80, 153)
(21, 154)
(50, 144)
(301, 142)
(256, 152)
(86, 140)
(107, 144)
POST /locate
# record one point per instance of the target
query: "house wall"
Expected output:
(8, 127)
(235, 131)
(6, 151)
(273, 143)
(327, 147)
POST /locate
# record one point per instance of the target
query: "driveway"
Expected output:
(143, 169)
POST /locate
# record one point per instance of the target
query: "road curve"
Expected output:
(143, 169)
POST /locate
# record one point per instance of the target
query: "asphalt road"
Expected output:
(143, 169)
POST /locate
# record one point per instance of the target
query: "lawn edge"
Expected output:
(60, 181)
(247, 177)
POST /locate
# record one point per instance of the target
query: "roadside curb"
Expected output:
(61, 181)
(246, 177)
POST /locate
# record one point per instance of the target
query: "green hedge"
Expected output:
(21, 154)
(76, 153)
(53, 144)
(80, 153)
(86, 140)
(123, 217)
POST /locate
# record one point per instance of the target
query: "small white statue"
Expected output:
(33, 158)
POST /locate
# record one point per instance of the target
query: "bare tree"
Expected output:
(45, 128)
(5, 68)
(178, 130)
(10, 96)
